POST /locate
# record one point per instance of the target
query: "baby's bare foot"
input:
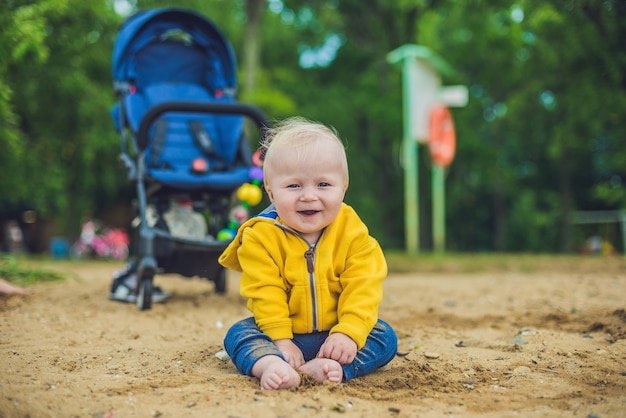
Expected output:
(275, 373)
(323, 369)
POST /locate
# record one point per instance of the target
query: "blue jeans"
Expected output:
(245, 343)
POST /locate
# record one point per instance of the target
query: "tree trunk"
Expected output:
(252, 44)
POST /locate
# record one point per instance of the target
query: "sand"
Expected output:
(539, 340)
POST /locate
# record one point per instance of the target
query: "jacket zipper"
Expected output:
(309, 255)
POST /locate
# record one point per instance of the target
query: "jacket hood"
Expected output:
(229, 257)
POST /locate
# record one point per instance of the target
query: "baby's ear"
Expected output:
(269, 193)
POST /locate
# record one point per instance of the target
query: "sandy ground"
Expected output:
(545, 340)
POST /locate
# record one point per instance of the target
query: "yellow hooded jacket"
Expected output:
(291, 287)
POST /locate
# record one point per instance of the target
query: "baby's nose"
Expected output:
(308, 194)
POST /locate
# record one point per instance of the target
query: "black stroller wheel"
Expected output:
(144, 296)
(220, 282)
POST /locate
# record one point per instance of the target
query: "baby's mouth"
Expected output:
(308, 212)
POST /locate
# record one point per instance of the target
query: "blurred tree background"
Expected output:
(542, 136)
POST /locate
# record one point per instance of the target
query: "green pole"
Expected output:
(410, 161)
(439, 208)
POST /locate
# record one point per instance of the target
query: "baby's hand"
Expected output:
(338, 347)
(291, 352)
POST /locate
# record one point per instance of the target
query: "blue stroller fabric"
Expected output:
(145, 27)
(173, 55)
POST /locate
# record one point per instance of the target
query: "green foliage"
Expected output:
(61, 96)
(21, 41)
(540, 129)
(541, 136)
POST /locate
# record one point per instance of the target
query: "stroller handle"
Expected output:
(221, 108)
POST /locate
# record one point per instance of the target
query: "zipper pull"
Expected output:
(309, 255)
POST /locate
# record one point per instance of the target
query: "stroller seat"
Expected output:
(178, 139)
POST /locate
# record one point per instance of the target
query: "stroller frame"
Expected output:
(157, 250)
(184, 253)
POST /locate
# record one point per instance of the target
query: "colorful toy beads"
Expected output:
(250, 194)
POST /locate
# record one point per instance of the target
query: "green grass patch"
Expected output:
(401, 262)
(25, 276)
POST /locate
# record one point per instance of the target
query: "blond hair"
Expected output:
(300, 134)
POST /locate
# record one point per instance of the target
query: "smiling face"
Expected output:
(307, 182)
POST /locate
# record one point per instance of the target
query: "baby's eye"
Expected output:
(323, 184)
(293, 186)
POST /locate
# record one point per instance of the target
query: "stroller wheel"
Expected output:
(144, 296)
(220, 282)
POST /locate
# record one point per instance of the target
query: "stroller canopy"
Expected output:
(174, 55)
(132, 58)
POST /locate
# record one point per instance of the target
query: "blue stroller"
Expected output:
(182, 139)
